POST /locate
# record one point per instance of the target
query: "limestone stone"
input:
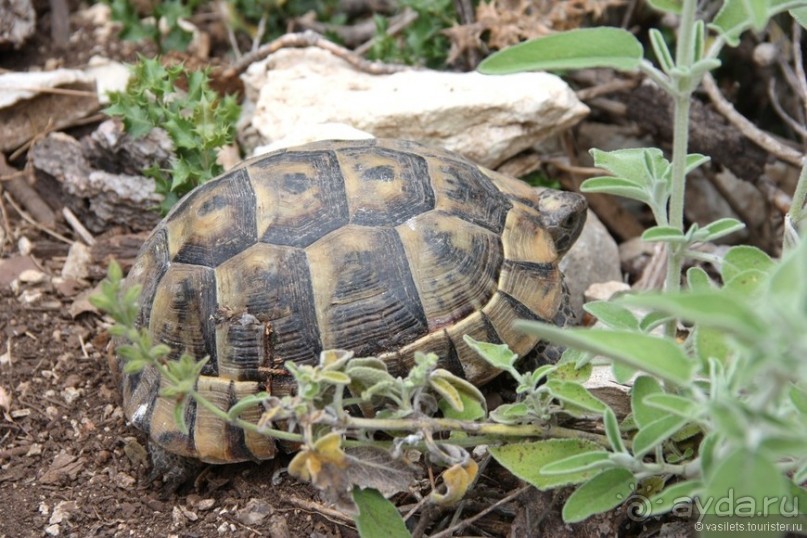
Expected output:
(485, 118)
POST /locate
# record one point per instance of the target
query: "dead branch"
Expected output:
(15, 184)
(312, 39)
(751, 131)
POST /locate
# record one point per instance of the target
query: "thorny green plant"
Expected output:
(198, 122)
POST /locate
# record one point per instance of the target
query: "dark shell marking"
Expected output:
(382, 247)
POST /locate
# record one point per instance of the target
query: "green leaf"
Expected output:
(695, 160)
(595, 459)
(648, 437)
(800, 14)
(798, 396)
(612, 315)
(670, 6)
(245, 403)
(677, 405)
(574, 49)
(575, 394)
(608, 489)
(714, 308)
(452, 389)
(377, 516)
(743, 474)
(698, 279)
(334, 378)
(655, 355)
(612, 431)
(743, 258)
(717, 229)
(515, 413)
(670, 499)
(661, 50)
(787, 286)
(644, 386)
(711, 343)
(616, 186)
(568, 371)
(737, 16)
(497, 355)
(525, 460)
(667, 234)
(635, 165)
(179, 416)
(472, 408)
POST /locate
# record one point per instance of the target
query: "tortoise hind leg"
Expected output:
(172, 470)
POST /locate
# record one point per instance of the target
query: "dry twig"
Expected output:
(312, 39)
(759, 137)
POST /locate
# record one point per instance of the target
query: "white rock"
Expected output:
(604, 291)
(109, 75)
(312, 133)
(76, 266)
(486, 118)
(32, 276)
(16, 87)
(593, 258)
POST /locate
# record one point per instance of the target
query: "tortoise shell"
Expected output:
(382, 247)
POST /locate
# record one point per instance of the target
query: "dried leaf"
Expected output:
(457, 480)
(5, 399)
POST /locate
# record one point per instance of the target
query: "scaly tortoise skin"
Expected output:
(382, 247)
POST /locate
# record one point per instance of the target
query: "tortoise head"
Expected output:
(563, 214)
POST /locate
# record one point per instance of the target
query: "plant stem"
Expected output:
(797, 212)
(683, 83)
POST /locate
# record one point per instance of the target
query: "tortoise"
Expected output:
(380, 247)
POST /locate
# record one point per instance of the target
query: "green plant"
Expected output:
(169, 11)
(422, 41)
(732, 394)
(198, 122)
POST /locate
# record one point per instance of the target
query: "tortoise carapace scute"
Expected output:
(381, 247)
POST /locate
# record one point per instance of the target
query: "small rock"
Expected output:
(63, 511)
(593, 258)
(226, 528)
(205, 504)
(76, 266)
(177, 517)
(20, 413)
(32, 276)
(136, 453)
(634, 254)
(278, 527)
(604, 291)
(189, 515)
(70, 394)
(30, 296)
(52, 530)
(254, 512)
(24, 246)
(124, 481)
(19, 22)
